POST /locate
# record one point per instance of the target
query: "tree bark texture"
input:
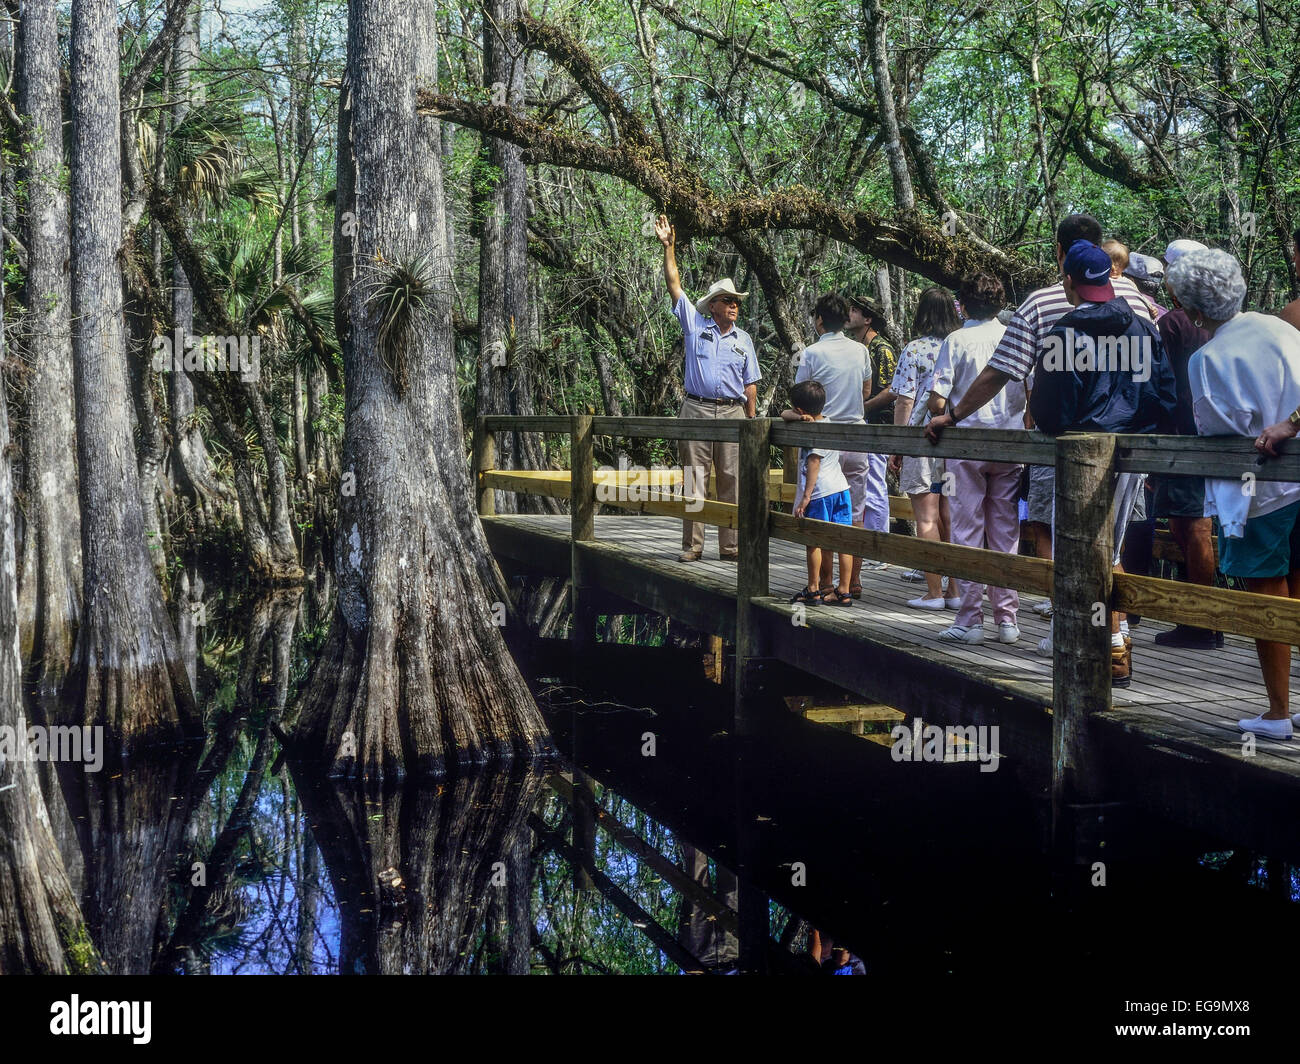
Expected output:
(191, 467)
(507, 374)
(49, 601)
(129, 674)
(415, 676)
(41, 929)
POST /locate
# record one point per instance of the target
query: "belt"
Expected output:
(714, 402)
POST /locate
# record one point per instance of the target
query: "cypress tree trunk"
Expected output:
(151, 441)
(414, 676)
(41, 929)
(191, 466)
(282, 565)
(506, 376)
(298, 405)
(49, 603)
(126, 661)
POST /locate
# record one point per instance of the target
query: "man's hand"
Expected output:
(936, 425)
(667, 235)
(801, 508)
(665, 231)
(1273, 436)
(895, 464)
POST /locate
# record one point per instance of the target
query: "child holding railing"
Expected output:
(822, 493)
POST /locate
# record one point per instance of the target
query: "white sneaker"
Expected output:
(960, 633)
(1045, 645)
(1044, 608)
(1295, 719)
(874, 567)
(926, 603)
(914, 575)
(1272, 729)
(952, 603)
(1008, 632)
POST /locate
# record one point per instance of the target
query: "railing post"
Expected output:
(751, 570)
(582, 508)
(483, 460)
(1082, 580)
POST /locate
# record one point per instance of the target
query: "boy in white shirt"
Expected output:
(822, 494)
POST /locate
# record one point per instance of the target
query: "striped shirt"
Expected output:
(1034, 319)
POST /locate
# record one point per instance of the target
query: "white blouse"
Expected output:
(1246, 378)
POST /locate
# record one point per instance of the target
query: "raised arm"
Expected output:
(667, 235)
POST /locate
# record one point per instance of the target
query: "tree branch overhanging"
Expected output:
(911, 242)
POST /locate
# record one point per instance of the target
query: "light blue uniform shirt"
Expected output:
(717, 366)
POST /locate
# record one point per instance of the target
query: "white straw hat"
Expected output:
(720, 288)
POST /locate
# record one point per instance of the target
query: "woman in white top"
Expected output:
(918, 477)
(1245, 378)
(984, 496)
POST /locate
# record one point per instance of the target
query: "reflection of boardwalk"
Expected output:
(1172, 734)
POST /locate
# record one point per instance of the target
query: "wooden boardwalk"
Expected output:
(1168, 744)
(1183, 705)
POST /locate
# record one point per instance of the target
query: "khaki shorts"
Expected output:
(917, 476)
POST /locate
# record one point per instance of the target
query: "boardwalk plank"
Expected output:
(1188, 700)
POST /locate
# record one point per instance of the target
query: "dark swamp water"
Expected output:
(656, 843)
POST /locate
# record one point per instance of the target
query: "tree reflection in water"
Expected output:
(229, 860)
(425, 876)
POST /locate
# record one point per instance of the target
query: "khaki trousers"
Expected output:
(723, 458)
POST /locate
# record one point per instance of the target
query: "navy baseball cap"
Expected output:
(1088, 266)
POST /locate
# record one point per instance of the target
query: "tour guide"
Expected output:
(720, 381)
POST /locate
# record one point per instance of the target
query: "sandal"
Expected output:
(838, 598)
(808, 596)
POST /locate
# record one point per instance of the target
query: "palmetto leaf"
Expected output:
(205, 156)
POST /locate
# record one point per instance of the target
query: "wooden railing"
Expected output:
(1242, 613)
(1080, 580)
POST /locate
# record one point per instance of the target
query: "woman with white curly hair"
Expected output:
(1244, 379)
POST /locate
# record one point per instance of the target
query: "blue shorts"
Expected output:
(837, 508)
(1270, 547)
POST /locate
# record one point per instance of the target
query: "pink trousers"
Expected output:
(985, 513)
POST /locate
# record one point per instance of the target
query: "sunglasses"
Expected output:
(730, 301)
